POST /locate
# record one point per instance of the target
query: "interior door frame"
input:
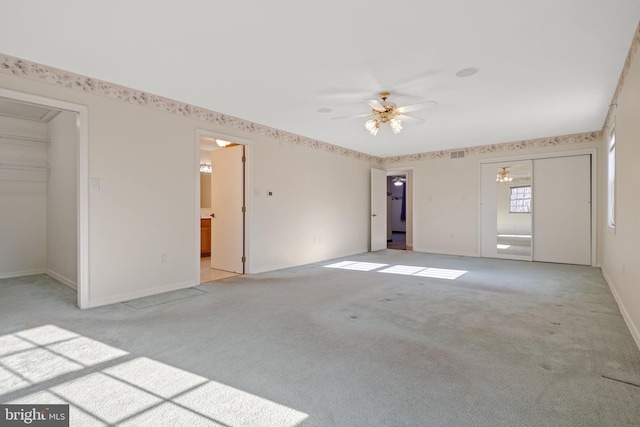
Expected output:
(248, 185)
(408, 173)
(82, 182)
(594, 190)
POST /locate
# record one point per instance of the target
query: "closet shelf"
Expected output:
(24, 167)
(24, 138)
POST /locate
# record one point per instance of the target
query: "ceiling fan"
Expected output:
(388, 112)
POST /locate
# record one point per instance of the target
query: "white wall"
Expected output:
(446, 205)
(319, 208)
(23, 205)
(147, 206)
(620, 248)
(62, 190)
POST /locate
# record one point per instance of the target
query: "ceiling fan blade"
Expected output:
(352, 117)
(415, 107)
(375, 104)
(410, 119)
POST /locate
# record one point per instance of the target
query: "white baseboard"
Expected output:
(22, 273)
(625, 314)
(139, 294)
(63, 280)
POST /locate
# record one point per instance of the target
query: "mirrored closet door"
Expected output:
(537, 210)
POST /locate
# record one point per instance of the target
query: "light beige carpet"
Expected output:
(393, 338)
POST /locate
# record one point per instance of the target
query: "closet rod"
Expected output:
(24, 167)
(24, 138)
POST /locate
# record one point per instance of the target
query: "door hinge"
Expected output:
(244, 159)
(244, 209)
(244, 259)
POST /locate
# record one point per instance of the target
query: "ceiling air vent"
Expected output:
(457, 154)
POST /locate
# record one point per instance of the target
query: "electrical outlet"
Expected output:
(163, 258)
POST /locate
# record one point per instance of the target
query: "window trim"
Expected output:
(611, 179)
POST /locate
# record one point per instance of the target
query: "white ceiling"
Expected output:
(546, 67)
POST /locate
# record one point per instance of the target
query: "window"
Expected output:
(611, 181)
(520, 199)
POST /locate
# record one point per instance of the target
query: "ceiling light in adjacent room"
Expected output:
(205, 168)
(503, 176)
(222, 143)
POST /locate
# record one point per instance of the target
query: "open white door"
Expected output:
(378, 210)
(227, 202)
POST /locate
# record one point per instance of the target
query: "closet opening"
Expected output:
(40, 201)
(539, 208)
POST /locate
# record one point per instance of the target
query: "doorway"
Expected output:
(221, 206)
(397, 212)
(391, 209)
(44, 190)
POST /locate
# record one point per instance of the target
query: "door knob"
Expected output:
(374, 215)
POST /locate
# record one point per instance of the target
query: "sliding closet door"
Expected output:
(562, 210)
(506, 210)
(488, 211)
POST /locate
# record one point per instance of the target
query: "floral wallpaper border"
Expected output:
(34, 71)
(577, 138)
(635, 43)
(42, 73)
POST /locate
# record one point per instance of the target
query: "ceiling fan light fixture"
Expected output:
(372, 126)
(396, 125)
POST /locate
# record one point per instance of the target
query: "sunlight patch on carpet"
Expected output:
(353, 265)
(405, 270)
(104, 385)
(441, 273)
